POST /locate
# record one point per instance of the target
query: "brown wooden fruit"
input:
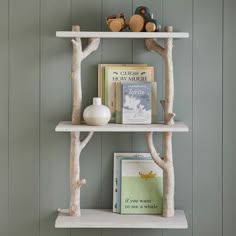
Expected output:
(150, 27)
(136, 23)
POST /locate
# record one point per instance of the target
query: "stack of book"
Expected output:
(130, 92)
(137, 184)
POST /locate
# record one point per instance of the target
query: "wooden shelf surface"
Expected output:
(66, 126)
(101, 218)
(125, 35)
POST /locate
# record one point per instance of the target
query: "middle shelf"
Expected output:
(66, 126)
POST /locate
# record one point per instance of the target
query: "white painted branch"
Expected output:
(166, 54)
(167, 162)
(155, 156)
(169, 79)
(75, 150)
(86, 139)
(93, 45)
(77, 145)
(151, 44)
(169, 190)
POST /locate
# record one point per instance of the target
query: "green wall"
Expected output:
(35, 94)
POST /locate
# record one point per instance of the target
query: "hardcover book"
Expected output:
(115, 172)
(124, 74)
(136, 103)
(119, 102)
(101, 77)
(141, 187)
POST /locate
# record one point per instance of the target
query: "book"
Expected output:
(119, 104)
(119, 159)
(136, 103)
(125, 73)
(115, 172)
(141, 187)
(101, 77)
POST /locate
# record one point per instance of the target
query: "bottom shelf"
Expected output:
(103, 218)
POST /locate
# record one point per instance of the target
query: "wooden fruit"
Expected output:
(115, 25)
(136, 23)
(150, 27)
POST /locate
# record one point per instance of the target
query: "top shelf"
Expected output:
(124, 35)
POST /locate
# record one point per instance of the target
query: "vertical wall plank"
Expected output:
(55, 105)
(179, 14)
(142, 55)
(24, 118)
(4, 117)
(207, 118)
(87, 14)
(229, 130)
(114, 51)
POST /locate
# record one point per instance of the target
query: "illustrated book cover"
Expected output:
(141, 187)
(115, 171)
(101, 77)
(136, 103)
(119, 102)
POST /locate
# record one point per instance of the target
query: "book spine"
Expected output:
(118, 103)
(154, 102)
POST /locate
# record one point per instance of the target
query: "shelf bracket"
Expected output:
(77, 144)
(165, 163)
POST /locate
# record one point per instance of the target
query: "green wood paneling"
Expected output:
(34, 175)
(142, 55)
(207, 118)
(179, 15)
(229, 129)
(55, 105)
(114, 51)
(4, 117)
(24, 118)
(87, 14)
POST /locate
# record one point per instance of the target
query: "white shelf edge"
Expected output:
(99, 34)
(66, 126)
(105, 218)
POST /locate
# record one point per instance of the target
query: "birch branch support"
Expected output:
(166, 164)
(77, 145)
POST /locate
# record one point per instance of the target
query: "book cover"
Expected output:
(136, 103)
(115, 172)
(119, 104)
(141, 187)
(101, 77)
(119, 172)
(125, 73)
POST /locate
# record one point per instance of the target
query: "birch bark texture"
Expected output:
(77, 144)
(165, 162)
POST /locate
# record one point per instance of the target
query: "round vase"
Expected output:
(97, 114)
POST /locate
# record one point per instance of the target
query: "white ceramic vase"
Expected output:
(97, 114)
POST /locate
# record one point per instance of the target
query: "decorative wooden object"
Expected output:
(136, 23)
(166, 163)
(116, 23)
(77, 145)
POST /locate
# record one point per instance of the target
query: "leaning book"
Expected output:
(136, 103)
(141, 187)
(116, 174)
(101, 77)
(124, 74)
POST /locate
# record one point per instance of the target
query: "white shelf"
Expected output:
(100, 218)
(99, 34)
(66, 126)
